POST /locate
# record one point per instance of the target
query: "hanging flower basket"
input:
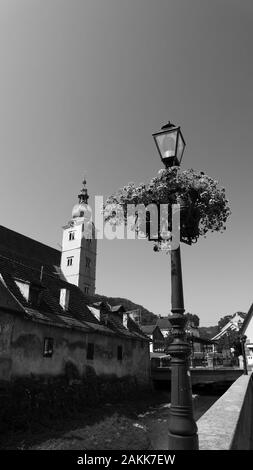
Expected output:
(189, 223)
(203, 205)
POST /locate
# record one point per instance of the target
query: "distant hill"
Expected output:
(147, 317)
(208, 331)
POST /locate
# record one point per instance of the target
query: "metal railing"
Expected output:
(208, 360)
(213, 360)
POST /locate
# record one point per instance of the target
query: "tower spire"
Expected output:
(83, 196)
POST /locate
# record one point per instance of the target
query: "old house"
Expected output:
(198, 344)
(49, 331)
(164, 326)
(234, 324)
(157, 342)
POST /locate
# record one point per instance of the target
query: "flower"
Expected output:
(204, 206)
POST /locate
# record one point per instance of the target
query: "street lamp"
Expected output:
(170, 144)
(182, 427)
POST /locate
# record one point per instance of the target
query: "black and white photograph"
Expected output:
(126, 225)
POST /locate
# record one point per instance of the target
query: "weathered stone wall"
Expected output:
(243, 436)
(36, 388)
(22, 343)
(26, 402)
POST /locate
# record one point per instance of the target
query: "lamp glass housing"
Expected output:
(170, 144)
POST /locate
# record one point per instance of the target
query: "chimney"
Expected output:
(104, 312)
(64, 299)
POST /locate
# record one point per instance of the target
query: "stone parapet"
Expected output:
(228, 424)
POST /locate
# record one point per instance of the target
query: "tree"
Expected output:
(192, 318)
(223, 321)
(231, 339)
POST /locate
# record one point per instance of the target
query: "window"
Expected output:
(64, 299)
(86, 289)
(24, 287)
(88, 261)
(70, 260)
(48, 347)
(34, 296)
(31, 292)
(71, 235)
(119, 353)
(90, 351)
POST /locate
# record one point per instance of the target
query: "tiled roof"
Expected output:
(114, 322)
(113, 319)
(148, 329)
(49, 309)
(163, 323)
(15, 242)
(14, 266)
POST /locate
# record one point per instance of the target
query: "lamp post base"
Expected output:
(176, 442)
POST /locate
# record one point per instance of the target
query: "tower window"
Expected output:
(86, 289)
(120, 353)
(90, 351)
(88, 261)
(71, 235)
(48, 347)
(70, 260)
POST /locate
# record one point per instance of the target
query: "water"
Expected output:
(155, 418)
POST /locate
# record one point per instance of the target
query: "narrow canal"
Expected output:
(132, 424)
(155, 418)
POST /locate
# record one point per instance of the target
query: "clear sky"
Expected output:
(84, 84)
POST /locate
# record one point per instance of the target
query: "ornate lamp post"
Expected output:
(182, 427)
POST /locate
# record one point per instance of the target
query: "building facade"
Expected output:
(157, 342)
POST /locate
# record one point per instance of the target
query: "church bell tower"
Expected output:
(79, 246)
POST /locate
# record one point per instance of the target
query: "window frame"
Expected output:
(120, 352)
(72, 235)
(90, 351)
(48, 347)
(70, 261)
